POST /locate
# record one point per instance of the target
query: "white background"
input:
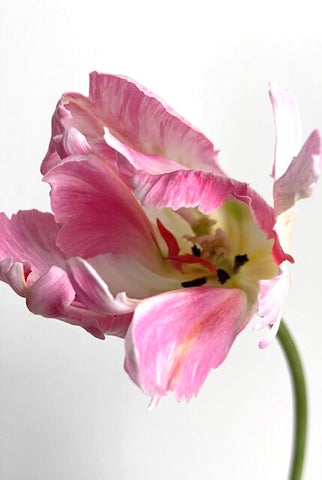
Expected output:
(67, 409)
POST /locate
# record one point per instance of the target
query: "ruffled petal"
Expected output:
(301, 176)
(145, 128)
(144, 122)
(295, 173)
(116, 325)
(15, 275)
(207, 192)
(74, 142)
(271, 298)
(51, 294)
(74, 124)
(140, 161)
(29, 237)
(176, 338)
(93, 292)
(32, 264)
(288, 129)
(99, 212)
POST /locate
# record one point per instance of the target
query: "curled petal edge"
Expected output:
(93, 292)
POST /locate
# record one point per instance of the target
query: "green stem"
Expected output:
(300, 400)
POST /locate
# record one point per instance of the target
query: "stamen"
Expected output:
(240, 260)
(196, 251)
(196, 282)
(222, 275)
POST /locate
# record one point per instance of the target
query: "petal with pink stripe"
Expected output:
(147, 124)
(176, 338)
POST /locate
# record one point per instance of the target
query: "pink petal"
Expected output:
(301, 176)
(140, 161)
(30, 237)
(14, 275)
(288, 130)
(207, 192)
(116, 325)
(184, 188)
(78, 130)
(265, 342)
(140, 126)
(51, 294)
(93, 292)
(74, 143)
(32, 264)
(147, 124)
(99, 212)
(96, 324)
(271, 298)
(73, 112)
(176, 338)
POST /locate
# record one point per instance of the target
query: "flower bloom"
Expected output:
(150, 240)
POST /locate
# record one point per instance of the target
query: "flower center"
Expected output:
(210, 251)
(226, 248)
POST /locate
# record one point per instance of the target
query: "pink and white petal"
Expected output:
(176, 338)
(30, 237)
(116, 325)
(184, 188)
(301, 176)
(70, 142)
(61, 120)
(97, 324)
(142, 121)
(83, 115)
(74, 142)
(207, 192)
(267, 340)
(141, 161)
(271, 298)
(123, 273)
(99, 212)
(14, 275)
(76, 127)
(136, 117)
(93, 292)
(51, 294)
(51, 159)
(288, 129)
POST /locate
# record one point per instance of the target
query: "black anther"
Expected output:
(196, 251)
(196, 282)
(222, 275)
(240, 260)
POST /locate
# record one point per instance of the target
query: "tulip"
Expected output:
(150, 240)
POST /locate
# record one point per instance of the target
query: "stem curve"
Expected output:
(300, 400)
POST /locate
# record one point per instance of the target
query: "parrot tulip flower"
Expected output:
(149, 239)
